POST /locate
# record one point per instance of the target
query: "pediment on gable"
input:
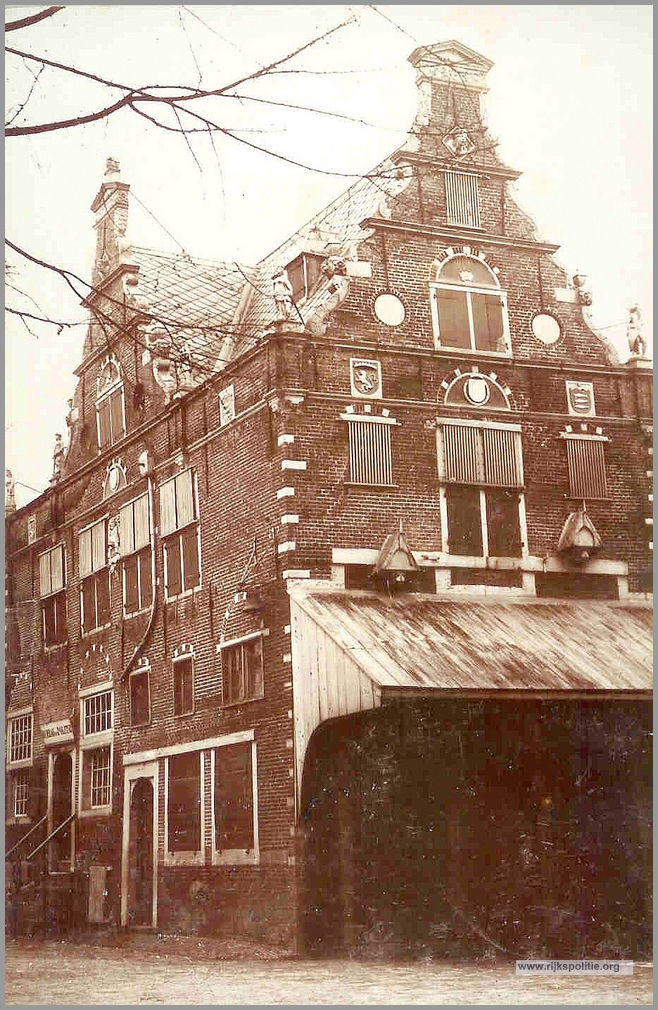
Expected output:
(450, 59)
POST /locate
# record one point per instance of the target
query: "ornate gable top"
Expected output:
(451, 61)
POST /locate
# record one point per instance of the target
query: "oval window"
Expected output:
(546, 328)
(389, 309)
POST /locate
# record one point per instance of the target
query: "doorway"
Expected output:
(61, 847)
(139, 848)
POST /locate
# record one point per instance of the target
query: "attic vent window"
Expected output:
(586, 461)
(304, 273)
(370, 449)
(462, 199)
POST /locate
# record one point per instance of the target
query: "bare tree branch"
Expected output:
(13, 26)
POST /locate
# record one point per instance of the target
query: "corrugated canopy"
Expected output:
(486, 644)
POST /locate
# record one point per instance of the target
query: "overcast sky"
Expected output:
(570, 102)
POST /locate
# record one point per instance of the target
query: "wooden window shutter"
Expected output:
(167, 507)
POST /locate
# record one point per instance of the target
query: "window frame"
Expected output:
(90, 743)
(185, 857)
(456, 200)
(96, 573)
(144, 670)
(385, 424)
(55, 598)
(569, 437)
(482, 486)
(20, 777)
(13, 718)
(104, 399)
(235, 856)
(240, 643)
(187, 657)
(177, 533)
(437, 285)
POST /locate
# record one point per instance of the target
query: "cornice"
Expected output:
(474, 236)
(449, 164)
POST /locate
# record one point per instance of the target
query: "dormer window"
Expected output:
(304, 273)
(110, 406)
(469, 309)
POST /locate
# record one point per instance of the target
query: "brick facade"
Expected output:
(274, 501)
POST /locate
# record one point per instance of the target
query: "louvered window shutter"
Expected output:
(184, 498)
(167, 507)
(85, 553)
(44, 575)
(141, 507)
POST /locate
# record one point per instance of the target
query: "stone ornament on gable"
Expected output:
(113, 544)
(458, 142)
(58, 459)
(637, 345)
(335, 269)
(282, 293)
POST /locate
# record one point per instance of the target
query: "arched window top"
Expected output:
(108, 377)
(468, 271)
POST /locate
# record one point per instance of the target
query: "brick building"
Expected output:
(332, 626)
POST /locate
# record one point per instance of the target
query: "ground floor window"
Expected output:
(18, 793)
(184, 806)
(96, 779)
(234, 798)
(483, 522)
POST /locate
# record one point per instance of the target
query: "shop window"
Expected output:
(136, 552)
(110, 406)
(469, 310)
(242, 671)
(19, 739)
(179, 528)
(462, 199)
(586, 462)
(95, 576)
(481, 470)
(184, 805)
(235, 822)
(183, 685)
(370, 449)
(52, 578)
(140, 698)
(96, 752)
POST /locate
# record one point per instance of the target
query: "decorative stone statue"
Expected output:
(58, 458)
(582, 290)
(636, 342)
(282, 293)
(113, 543)
(335, 270)
(10, 492)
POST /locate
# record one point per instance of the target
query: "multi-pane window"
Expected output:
(98, 713)
(233, 798)
(95, 576)
(140, 701)
(52, 577)
(100, 773)
(97, 723)
(20, 786)
(179, 528)
(469, 310)
(136, 551)
(481, 470)
(183, 685)
(184, 802)
(242, 671)
(370, 449)
(110, 408)
(586, 461)
(462, 199)
(19, 738)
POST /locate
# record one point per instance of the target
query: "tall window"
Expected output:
(242, 671)
(95, 576)
(110, 408)
(179, 528)
(136, 551)
(586, 460)
(481, 470)
(469, 310)
(20, 789)
(370, 449)
(52, 577)
(97, 725)
(234, 826)
(183, 685)
(462, 199)
(19, 739)
(184, 803)
(140, 698)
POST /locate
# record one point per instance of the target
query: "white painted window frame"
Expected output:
(235, 857)
(94, 741)
(185, 858)
(13, 716)
(178, 533)
(468, 289)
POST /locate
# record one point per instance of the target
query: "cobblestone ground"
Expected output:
(189, 971)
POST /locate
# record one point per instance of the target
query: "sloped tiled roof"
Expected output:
(338, 225)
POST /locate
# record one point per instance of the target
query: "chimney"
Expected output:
(111, 209)
(450, 79)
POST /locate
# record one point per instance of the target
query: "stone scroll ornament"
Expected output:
(335, 294)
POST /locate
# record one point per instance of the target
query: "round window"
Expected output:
(389, 309)
(546, 328)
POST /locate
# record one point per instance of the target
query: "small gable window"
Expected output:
(462, 199)
(110, 406)
(469, 309)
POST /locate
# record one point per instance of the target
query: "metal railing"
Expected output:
(26, 836)
(51, 836)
